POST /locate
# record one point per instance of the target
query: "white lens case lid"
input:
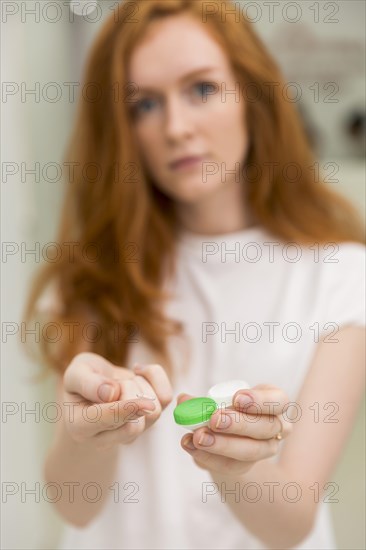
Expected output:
(224, 392)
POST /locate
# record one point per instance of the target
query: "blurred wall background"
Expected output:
(320, 47)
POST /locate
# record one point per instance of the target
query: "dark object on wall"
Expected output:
(356, 125)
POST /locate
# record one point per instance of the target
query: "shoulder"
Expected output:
(344, 259)
(344, 284)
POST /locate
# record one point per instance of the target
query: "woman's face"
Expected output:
(176, 114)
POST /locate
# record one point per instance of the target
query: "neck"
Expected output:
(224, 211)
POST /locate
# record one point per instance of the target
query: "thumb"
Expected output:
(92, 377)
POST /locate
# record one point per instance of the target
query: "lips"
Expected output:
(186, 161)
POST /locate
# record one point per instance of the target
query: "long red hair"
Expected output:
(125, 228)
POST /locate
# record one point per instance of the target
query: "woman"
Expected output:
(237, 263)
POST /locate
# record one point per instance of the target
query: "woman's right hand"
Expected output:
(109, 405)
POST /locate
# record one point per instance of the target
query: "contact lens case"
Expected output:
(196, 412)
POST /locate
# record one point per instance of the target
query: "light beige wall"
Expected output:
(350, 512)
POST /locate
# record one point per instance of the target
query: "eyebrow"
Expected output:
(183, 79)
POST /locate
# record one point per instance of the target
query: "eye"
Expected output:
(143, 106)
(205, 88)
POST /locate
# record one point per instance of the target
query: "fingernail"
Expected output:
(105, 392)
(206, 440)
(243, 399)
(146, 411)
(143, 396)
(188, 443)
(223, 421)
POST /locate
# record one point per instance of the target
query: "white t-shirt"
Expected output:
(228, 303)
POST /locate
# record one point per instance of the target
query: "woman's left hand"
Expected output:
(239, 436)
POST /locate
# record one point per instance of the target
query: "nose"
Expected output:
(177, 122)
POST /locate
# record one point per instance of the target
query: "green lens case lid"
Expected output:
(193, 411)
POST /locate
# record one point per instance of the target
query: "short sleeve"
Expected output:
(345, 285)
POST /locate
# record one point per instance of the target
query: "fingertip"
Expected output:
(187, 442)
(243, 396)
(117, 391)
(166, 399)
(108, 392)
(183, 397)
(138, 367)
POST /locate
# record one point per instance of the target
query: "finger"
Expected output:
(240, 448)
(214, 463)
(115, 415)
(123, 435)
(129, 429)
(147, 391)
(263, 400)
(92, 377)
(159, 381)
(183, 397)
(256, 426)
(128, 409)
(96, 418)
